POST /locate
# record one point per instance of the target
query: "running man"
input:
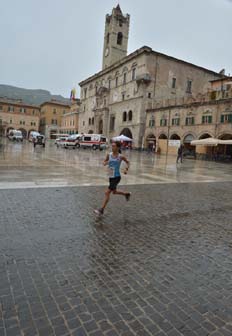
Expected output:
(114, 160)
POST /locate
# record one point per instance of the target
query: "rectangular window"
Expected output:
(22, 110)
(54, 111)
(149, 95)
(226, 118)
(189, 86)
(173, 83)
(206, 119)
(152, 122)
(189, 121)
(85, 93)
(163, 122)
(116, 81)
(112, 123)
(124, 78)
(10, 108)
(123, 96)
(11, 121)
(109, 84)
(175, 121)
(133, 74)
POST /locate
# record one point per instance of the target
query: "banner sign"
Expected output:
(174, 143)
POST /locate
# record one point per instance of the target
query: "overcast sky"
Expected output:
(54, 44)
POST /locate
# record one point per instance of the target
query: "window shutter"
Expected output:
(210, 119)
(222, 118)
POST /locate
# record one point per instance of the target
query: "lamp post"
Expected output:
(169, 119)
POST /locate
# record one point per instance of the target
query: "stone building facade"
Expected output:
(189, 120)
(51, 117)
(116, 99)
(70, 120)
(15, 114)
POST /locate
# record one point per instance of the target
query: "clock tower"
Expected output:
(116, 37)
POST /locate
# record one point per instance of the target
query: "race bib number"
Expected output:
(111, 172)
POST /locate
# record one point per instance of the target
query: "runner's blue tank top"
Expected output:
(114, 165)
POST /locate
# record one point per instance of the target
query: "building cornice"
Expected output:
(189, 105)
(146, 50)
(18, 104)
(61, 104)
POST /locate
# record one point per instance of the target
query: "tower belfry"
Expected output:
(116, 37)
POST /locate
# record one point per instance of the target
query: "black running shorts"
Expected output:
(114, 181)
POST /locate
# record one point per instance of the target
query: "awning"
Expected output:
(210, 142)
(206, 142)
(225, 142)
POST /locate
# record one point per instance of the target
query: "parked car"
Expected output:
(15, 135)
(60, 141)
(73, 141)
(39, 140)
(94, 141)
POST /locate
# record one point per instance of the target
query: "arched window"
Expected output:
(133, 76)
(108, 38)
(124, 78)
(124, 116)
(130, 115)
(119, 38)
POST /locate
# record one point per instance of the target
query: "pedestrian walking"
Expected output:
(114, 160)
(180, 154)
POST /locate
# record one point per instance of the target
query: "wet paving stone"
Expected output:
(159, 265)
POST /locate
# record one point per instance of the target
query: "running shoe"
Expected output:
(128, 196)
(99, 212)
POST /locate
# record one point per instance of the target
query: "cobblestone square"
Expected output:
(158, 265)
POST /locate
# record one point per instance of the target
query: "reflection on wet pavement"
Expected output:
(23, 166)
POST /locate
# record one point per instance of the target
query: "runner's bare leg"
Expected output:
(118, 192)
(107, 198)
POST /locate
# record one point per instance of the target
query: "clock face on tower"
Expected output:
(107, 52)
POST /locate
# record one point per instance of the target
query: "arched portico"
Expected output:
(163, 136)
(205, 136)
(174, 137)
(127, 132)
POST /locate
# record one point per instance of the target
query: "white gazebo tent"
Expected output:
(122, 138)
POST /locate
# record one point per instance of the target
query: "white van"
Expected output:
(94, 141)
(15, 135)
(73, 141)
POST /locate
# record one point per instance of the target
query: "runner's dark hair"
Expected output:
(117, 143)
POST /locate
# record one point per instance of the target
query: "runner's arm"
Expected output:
(106, 160)
(127, 162)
